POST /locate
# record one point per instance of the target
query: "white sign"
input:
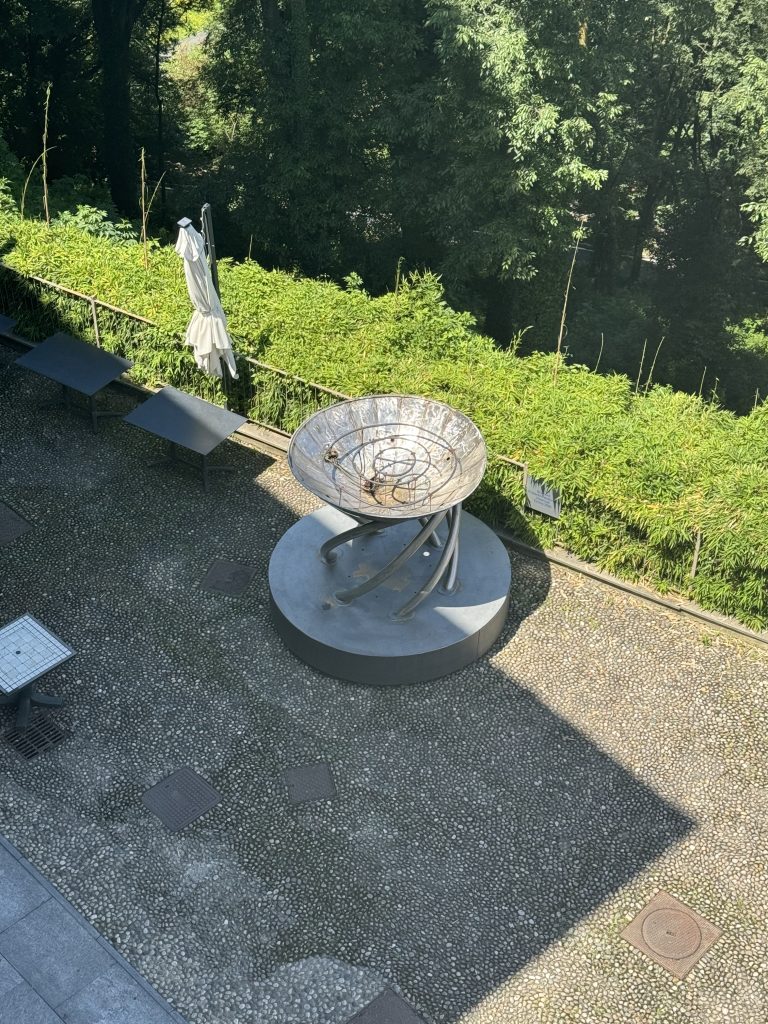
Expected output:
(542, 498)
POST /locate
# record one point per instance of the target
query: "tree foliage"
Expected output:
(463, 136)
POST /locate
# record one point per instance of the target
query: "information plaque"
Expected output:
(541, 497)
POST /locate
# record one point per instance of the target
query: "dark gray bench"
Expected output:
(78, 367)
(187, 422)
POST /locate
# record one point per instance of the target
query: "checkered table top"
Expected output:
(27, 651)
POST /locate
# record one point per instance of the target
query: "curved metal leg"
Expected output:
(453, 568)
(345, 596)
(357, 517)
(434, 540)
(451, 546)
(326, 551)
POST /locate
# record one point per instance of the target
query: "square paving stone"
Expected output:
(19, 891)
(53, 952)
(9, 978)
(22, 1005)
(230, 578)
(181, 799)
(308, 782)
(671, 934)
(387, 1008)
(113, 998)
(11, 524)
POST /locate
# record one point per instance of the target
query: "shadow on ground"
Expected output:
(472, 826)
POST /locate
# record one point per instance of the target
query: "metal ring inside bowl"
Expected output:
(389, 456)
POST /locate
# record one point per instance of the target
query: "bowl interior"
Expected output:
(389, 456)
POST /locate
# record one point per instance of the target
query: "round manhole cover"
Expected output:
(672, 934)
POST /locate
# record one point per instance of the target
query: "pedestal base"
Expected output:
(361, 641)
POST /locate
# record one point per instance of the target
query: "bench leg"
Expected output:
(170, 456)
(29, 696)
(23, 707)
(56, 403)
(208, 469)
(46, 699)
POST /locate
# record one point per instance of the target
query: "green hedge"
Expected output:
(639, 474)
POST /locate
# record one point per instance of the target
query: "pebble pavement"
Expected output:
(492, 833)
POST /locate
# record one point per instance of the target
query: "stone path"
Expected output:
(55, 967)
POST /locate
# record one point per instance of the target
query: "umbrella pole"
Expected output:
(206, 222)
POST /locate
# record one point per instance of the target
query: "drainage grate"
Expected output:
(308, 782)
(11, 524)
(671, 934)
(181, 799)
(387, 1008)
(231, 578)
(40, 735)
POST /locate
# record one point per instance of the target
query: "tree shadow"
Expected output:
(474, 828)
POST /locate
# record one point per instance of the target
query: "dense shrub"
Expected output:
(640, 474)
(96, 222)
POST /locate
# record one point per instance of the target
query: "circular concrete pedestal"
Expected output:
(361, 641)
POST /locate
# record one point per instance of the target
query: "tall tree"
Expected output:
(44, 42)
(114, 21)
(427, 130)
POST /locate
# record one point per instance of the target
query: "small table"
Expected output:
(77, 366)
(27, 651)
(188, 422)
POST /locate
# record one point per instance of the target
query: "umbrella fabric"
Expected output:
(207, 330)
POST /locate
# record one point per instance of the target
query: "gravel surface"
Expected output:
(492, 833)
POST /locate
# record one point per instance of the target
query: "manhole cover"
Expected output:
(387, 1008)
(40, 735)
(11, 524)
(671, 934)
(181, 799)
(231, 578)
(309, 782)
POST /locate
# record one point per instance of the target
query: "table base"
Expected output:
(172, 457)
(25, 698)
(65, 401)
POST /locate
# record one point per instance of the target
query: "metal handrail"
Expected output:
(93, 300)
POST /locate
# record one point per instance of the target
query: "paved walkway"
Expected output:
(55, 967)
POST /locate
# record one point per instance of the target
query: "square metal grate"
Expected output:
(11, 524)
(309, 782)
(181, 798)
(387, 1008)
(41, 734)
(230, 578)
(671, 934)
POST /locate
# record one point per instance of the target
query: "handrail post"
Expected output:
(95, 315)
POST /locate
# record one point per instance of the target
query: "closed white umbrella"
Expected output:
(207, 330)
